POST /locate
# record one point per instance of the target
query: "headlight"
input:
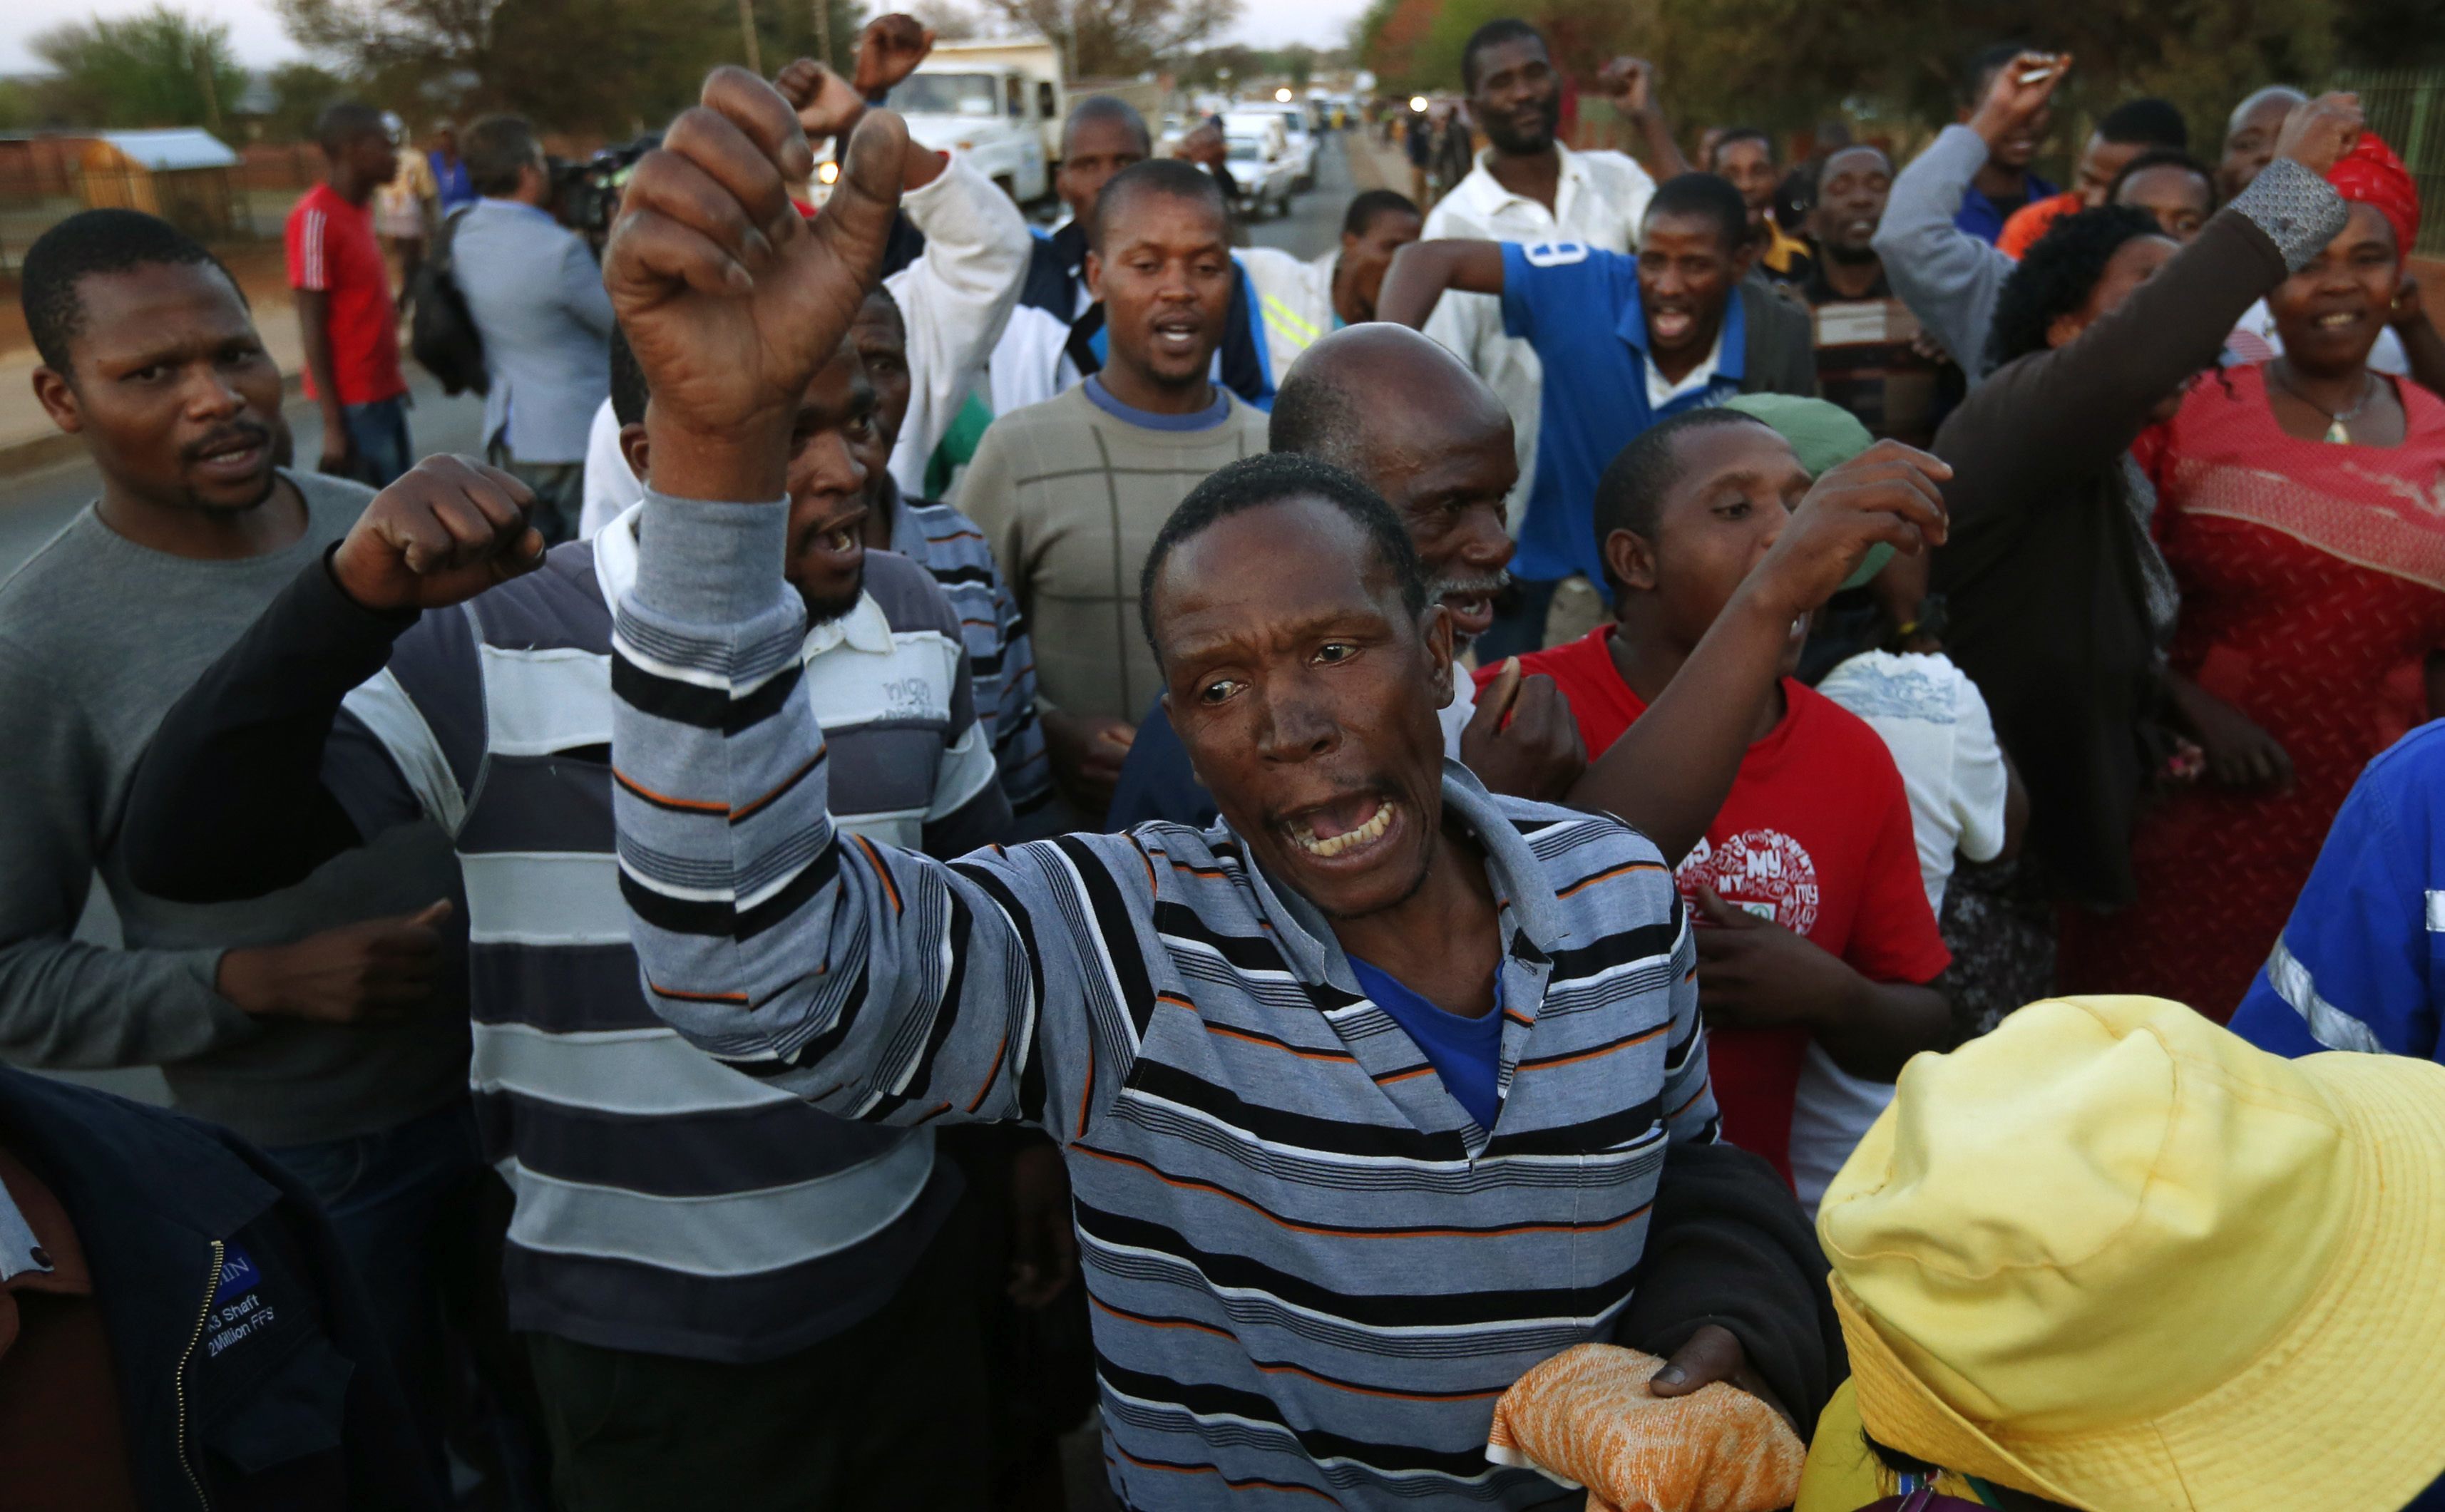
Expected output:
(827, 173)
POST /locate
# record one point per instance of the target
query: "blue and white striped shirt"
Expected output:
(1311, 1271)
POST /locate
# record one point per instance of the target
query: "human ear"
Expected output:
(1629, 560)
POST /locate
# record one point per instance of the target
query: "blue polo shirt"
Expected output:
(1578, 307)
(2360, 964)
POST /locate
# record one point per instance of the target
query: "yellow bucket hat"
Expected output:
(2114, 1255)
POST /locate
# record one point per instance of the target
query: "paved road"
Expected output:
(1313, 225)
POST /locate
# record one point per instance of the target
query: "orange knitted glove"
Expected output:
(1585, 1417)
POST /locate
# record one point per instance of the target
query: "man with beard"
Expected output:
(727, 1295)
(1405, 417)
(1871, 358)
(1677, 328)
(1070, 491)
(324, 1022)
(1528, 187)
(1315, 1075)
(1302, 300)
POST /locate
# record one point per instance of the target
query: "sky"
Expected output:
(256, 34)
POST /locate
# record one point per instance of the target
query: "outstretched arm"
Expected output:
(1423, 270)
(876, 984)
(1671, 770)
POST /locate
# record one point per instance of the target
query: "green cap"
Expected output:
(1823, 435)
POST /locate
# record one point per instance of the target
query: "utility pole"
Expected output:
(824, 30)
(747, 36)
(211, 91)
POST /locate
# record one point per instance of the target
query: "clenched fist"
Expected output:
(729, 299)
(448, 529)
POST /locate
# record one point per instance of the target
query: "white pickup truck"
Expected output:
(999, 104)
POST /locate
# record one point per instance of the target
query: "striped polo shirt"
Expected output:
(947, 544)
(664, 1204)
(1312, 1272)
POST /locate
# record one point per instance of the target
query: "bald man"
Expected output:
(1404, 414)
(1422, 430)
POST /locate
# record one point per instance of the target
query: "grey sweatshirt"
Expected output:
(98, 638)
(1947, 277)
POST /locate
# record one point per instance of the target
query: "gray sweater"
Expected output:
(98, 638)
(1949, 278)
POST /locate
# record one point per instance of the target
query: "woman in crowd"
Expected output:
(2301, 506)
(2059, 603)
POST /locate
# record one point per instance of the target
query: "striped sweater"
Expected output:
(1001, 657)
(1312, 1272)
(663, 1204)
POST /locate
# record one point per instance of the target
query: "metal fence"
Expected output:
(2406, 106)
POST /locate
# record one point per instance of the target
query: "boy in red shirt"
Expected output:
(345, 307)
(1806, 887)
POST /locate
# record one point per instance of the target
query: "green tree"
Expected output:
(299, 92)
(160, 67)
(1105, 39)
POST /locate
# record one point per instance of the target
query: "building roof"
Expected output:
(171, 150)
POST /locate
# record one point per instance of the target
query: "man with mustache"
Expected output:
(1671, 329)
(697, 1264)
(326, 1022)
(1071, 491)
(1363, 1096)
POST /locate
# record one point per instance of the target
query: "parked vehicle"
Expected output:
(1259, 151)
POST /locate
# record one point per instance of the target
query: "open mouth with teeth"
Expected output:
(2338, 319)
(233, 455)
(1178, 335)
(1671, 323)
(1344, 827)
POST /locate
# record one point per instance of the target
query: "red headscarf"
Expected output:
(2371, 175)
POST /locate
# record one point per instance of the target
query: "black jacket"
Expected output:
(1780, 354)
(249, 1373)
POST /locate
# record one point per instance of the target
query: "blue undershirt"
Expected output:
(1465, 1052)
(1204, 419)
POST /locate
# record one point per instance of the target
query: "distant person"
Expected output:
(1948, 275)
(1528, 187)
(2175, 186)
(346, 311)
(2249, 136)
(2004, 182)
(1675, 328)
(1418, 146)
(1301, 301)
(2132, 127)
(1745, 156)
(273, 1390)
(1070, 491)
(537, 295)
(326, 1023)
(1872, 357)
(449, 169)
(405, 209)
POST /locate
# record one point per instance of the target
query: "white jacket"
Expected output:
(1293, 300)
(955, 299)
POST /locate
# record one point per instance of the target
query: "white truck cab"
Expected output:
(998, 103)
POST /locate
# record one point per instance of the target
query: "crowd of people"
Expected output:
(1676, 832)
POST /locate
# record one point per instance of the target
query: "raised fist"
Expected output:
(890, 50)
(449, 528)
(729, 299)
(826, 103)
(2319, 133)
